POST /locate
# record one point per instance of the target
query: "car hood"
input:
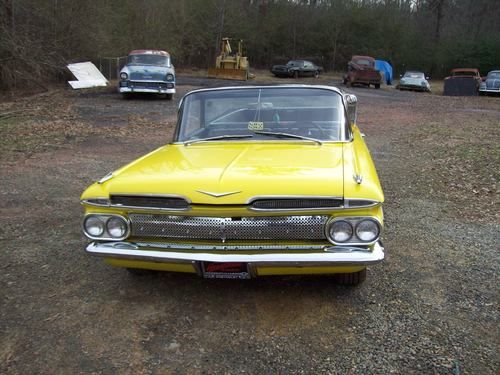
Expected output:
(147, 72)
(281, 67)
(244, 169)
(412, 81)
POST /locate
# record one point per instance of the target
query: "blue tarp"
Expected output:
(386, 69)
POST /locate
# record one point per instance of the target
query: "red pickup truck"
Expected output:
(361, 70)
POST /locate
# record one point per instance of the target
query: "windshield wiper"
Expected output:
(288, 135)
(227, 136)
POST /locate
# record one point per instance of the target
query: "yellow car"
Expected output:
(258, 180)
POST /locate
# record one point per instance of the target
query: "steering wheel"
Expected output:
(311, 124)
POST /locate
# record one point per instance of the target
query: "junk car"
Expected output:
(296, 69)
(413, 80)
(147, 71)
(491, 84)
(361, 71)
(261, 180)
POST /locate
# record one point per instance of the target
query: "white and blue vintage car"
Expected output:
(491, 84)
(413, 80)
(149, 71)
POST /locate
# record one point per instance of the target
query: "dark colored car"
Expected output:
(296, 68)
(462, 82)
(361, 71)
(491, 84)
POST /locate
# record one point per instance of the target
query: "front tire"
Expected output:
(296, 74)
(169, 96)
(377, 85)
(316, 74)
(351, 279)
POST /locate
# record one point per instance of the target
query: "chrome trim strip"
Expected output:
(218, 195)
(353, 257)
(371, 204)
(198, 247)
(350, 219)
(109, 176)
(87, 202)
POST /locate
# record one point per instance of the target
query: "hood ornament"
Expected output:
(218, 195)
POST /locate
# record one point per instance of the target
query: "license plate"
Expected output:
(226, 270)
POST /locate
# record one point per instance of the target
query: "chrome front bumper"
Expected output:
(142, 89)
(328, 256)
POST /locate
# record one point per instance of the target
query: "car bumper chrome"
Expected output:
(330, 256)
(489, 90)
(150, 90)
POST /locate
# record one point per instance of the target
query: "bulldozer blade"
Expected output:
(237, 74)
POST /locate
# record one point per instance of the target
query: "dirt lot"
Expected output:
(432, 307)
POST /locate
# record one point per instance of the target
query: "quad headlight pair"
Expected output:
(106, 227)
(353, 230)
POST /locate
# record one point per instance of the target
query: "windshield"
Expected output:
(250, 112)
(414, 75)
(493, 75)
(464, 73)
(148, 59)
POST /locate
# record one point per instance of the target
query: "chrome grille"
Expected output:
(221, 229)
(173, 203)
(294, 203)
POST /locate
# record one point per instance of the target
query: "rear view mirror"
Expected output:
(351, 101)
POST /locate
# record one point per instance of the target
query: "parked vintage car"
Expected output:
(296, 68)
(149, 71)
(361, 71)
(263, 180)
(491, 84)
(413, 80)
(462, 82)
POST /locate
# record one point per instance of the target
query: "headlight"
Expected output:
(341, 231)
(105, 227)
(93, 226)
(367, 230)
(423, 83)
(170, 77)
(123, 75)
(116, 227)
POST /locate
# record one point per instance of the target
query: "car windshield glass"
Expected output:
(148, 59)
(465, 73)
(363, 62)
(414, 75)
(493, 75)
(304, 112)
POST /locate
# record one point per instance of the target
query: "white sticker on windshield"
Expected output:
(255, 125)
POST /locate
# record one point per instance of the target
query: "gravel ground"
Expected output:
(431, 307)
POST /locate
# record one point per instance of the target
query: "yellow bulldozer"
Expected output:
(230, 64)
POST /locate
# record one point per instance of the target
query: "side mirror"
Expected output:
(427, 78)
(351, 101)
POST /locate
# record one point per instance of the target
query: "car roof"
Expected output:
(356, 57)
(414, 71)
(465, 70)
(149, 52)
(297, 86)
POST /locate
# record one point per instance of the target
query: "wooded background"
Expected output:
(39, 37)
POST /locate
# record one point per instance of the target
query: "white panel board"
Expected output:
(87, 75)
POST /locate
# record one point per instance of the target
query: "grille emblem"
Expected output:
(218, 195)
